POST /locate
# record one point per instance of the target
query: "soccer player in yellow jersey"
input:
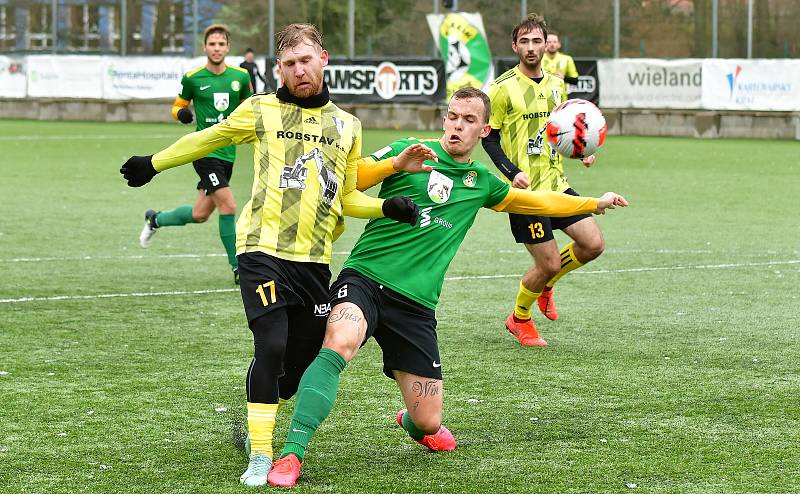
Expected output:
(557, 63)
(307, 167)
(522, 99)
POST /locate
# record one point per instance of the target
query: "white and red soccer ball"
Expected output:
(576, 128)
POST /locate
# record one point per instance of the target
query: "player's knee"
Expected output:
(199, 216)
(550, 268)
(339, 343)
(594, 248)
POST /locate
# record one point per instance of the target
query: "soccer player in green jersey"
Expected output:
(557, 63)
(390, 284)
(216, 90)
(522, 99)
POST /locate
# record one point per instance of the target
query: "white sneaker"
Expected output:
(149, 228)
(257, 470)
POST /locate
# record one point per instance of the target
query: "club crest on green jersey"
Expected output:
(470, 178)
(236, 86)
(221, 101)
(439, 187)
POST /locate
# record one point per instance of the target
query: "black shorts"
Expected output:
(539, 229)
(404, 329)
(214, 173)
(268, 283)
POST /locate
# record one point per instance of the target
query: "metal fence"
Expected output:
(588, 28)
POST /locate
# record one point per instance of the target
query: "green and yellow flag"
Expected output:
(462, 43)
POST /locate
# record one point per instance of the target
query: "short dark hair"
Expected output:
(552, 33)
(471, 92)
(216, 28)
(249, 50)
(528, 24)
(294, 34)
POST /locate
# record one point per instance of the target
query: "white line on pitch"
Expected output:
(122, 137)
(639, 270)
(451, 278)
(134, 257)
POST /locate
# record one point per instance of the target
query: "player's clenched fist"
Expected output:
(185, 115)
(138, 170)
(610, 200)
(401, 209)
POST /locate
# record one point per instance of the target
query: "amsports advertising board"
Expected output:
(408, 80)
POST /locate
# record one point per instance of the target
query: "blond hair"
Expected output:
(295, 34)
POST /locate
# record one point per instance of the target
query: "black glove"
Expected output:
(185, 115)
(401, 209)
(138, 170)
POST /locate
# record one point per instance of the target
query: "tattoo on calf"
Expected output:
(427, 388)
(345, 314)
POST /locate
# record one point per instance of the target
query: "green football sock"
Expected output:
(315, 397)
(227, 233)
(411, 428)
(175, 217)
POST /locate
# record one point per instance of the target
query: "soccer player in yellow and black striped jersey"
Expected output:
(307, 170)
(522, 99)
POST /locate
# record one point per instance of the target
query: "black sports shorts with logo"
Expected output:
(214, 173)
(404, 329)
(539, 229)
(267, 284)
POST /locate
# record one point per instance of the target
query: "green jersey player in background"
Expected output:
(389, 286)
(216, 90)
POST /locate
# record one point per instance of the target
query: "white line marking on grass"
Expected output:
(78, 137)
(451, 278)
(138, 256)
(114, 295)
(638, 270)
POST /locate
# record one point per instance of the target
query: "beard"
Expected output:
(306, 91)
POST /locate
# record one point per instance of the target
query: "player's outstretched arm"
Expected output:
(610, 200)
(411, 160)
(546, 203)
(139, 170)
(399, 208)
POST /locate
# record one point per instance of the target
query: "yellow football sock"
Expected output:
(568, 263)
(260, 424)
(525, 299)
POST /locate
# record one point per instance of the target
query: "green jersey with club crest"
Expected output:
(215, 96)
(412, 260)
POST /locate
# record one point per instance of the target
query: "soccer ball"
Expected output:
(576, 128)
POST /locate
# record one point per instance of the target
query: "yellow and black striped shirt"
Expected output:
(520, 109)
(306, 162)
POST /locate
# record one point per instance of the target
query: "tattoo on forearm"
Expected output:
(345, 314)
(427, 388)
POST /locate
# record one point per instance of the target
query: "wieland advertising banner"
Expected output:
(588, 86)
(650, 83)
(382, 81)
(142, 77)
(751, 84)
(13, 82)
(462, 42)
(65, 76)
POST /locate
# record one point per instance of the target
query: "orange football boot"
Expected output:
(524, 331)
(547, 305)
(443, 440)
(285, 471)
